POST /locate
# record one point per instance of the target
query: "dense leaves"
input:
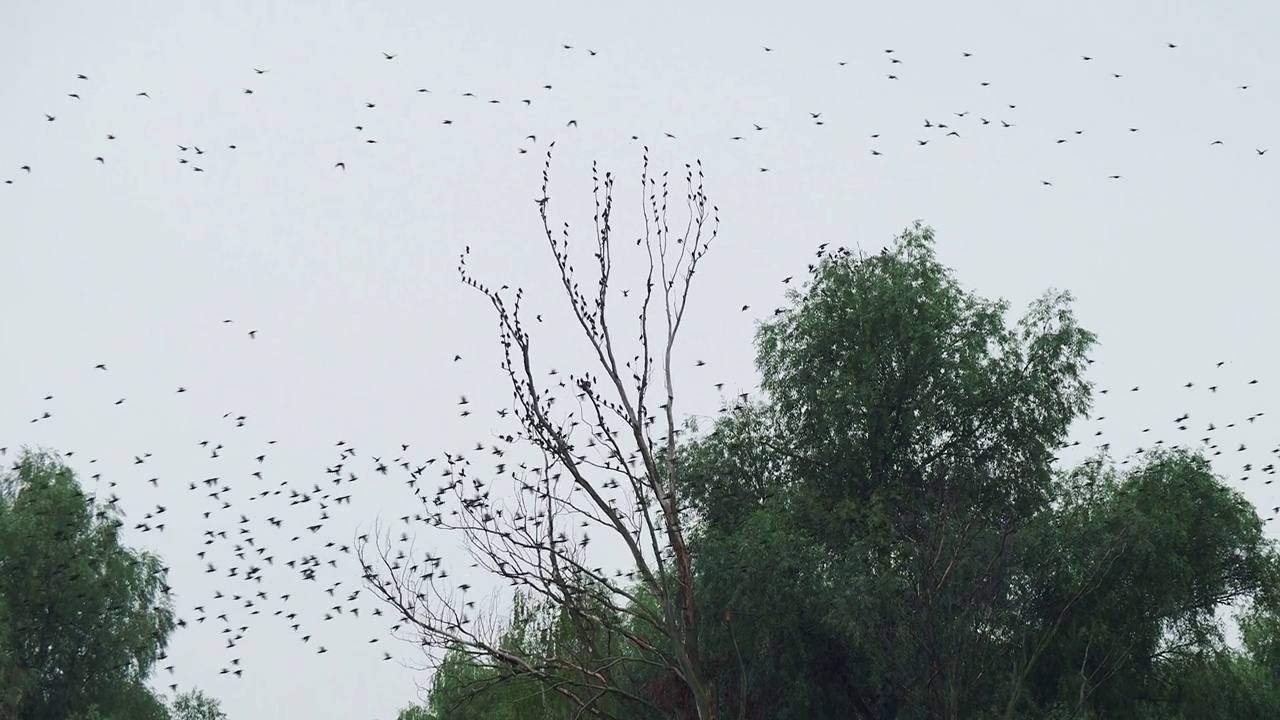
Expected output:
(83, 619)
(912, 433)
(887, 533)
(195, 705)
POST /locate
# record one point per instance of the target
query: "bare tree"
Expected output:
(599, 467)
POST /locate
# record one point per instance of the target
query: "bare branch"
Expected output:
(600, 469)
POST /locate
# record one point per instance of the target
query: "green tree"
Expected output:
(82, 618)
(886, 533)
(415, 712)
(470, 686)
(888, 529)
(195, 705)
(14, 680)
(905, 441)
(1186, 546)
(1260, 629)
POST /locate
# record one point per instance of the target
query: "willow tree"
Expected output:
(863, 524)
(83, 618)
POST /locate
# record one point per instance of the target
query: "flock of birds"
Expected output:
(934, 130)
(266, 560)
(258, 556)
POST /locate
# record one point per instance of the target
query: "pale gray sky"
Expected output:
(350, 279)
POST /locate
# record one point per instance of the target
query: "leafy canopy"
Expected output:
(886, 533)
(83, 619)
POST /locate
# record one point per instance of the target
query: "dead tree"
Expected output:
(605, 465)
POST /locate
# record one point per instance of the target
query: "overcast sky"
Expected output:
(349, 276)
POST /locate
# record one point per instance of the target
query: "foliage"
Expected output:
(1260, 631)
(415, 712)
(906, 442)
(195, 705)
(82, 618)
(886, 533)
(1188, 546)
(467, 686)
